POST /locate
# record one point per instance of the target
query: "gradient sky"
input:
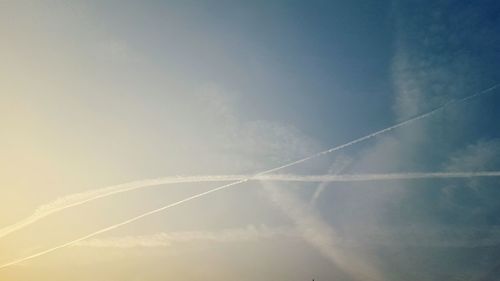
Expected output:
(97, 93)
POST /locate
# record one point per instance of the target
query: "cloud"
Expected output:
(421, 235)
(337, 167)
(77, 199)
(261, 143)
(163, 239)
(320, 234)
(482, 155)
(407, 236)
(474, 199)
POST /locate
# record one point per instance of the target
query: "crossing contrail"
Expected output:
(76, 199)
(369, 136)
(336, 168)
(120, 224)
(84, 197)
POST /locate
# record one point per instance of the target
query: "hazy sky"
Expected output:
(98, 93)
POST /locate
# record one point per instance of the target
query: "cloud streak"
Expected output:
(375, 177)
(167, 239)
(336, 168)
(337, 148)
(319, 234)
(84, 197)
(414, 236)
(77, 199)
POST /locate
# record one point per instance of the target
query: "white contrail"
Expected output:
(336, 168)
(415, 235)
(401, 124)
(76, 199)
(284, 177)
(166, 239)
(369, 136)
(84, 197)
(374, 177)
(120, 224)
(321, 178)
(319, 234)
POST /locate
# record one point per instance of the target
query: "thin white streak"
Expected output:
(106, 229)
(84, 197)
(336, 168)
(320, 234)
(76, 199)
(401, 124)
(375, 177)
(413, 236)
(369, 136)
(448, 238)
(166, 239)
(337, 178)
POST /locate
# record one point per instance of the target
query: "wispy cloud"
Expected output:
(320, 234)
(76, 199)
(166, 239)
(84, 197)
(375, 177)
(409, 236)
(336, 168)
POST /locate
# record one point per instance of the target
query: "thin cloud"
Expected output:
(413, 236)
(320, 234)
(84, 197)
(336, 168)
(166, 239)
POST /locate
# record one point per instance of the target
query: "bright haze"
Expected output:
(94, 94)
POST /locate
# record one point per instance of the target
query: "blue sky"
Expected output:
(97, 93)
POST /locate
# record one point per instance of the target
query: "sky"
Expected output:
(95, 94)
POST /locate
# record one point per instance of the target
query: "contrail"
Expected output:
(374, 177)
(320, 235)
(314, 178)
(166, 239)
(76, 199)
(369, 136)
(420, 236)
(119, 224)
(336, 168)
(84, 197)
(401, 124)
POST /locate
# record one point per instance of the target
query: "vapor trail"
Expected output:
(84, 197)
(369, 136)
(76, 199)
(166, 239)
(401, 124)
(320, 235)
(415, 235)
(120, 224)
(336, 168)
(374, 177)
